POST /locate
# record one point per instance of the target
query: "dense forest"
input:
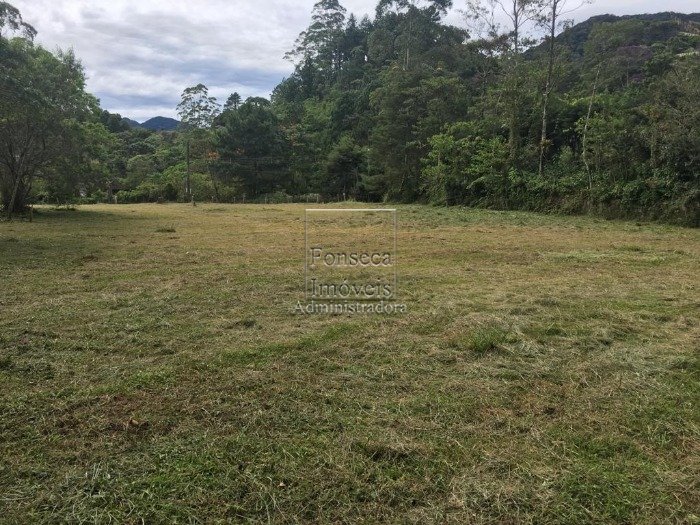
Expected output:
(539, 114)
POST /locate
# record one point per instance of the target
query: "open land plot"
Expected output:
(152, 368)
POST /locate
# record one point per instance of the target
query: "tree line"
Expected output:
(530, 113)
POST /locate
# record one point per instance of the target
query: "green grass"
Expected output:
(152, 369)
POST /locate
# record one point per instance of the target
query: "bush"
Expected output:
(144, 192)
(99, 196)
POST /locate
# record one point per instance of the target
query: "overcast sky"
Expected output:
(140, 54)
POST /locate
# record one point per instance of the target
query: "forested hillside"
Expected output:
(601, 118)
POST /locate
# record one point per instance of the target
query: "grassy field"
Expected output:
(152, 370)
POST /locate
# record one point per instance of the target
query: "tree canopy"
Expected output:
(601, 117)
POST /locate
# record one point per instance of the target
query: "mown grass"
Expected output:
(153, 370)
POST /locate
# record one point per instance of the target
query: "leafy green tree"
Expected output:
(114, 122)
(551, 19)
(232, 102)
(512, 40)
(82, 168)
(11, 22)
(197, 111)
(251, 148)
(411, 106)
(464, 168)
(414, 23)
(43, 103)
(344, 169)
(320, 42)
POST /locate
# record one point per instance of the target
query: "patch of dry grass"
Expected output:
(152, 369)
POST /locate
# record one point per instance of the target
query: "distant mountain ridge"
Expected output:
(576, 36)
(154, 124)
(131, 122)
(158, 124)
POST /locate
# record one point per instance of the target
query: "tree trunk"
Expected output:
(12, 204)
(584, 153)
(513, 132)
(548, 84)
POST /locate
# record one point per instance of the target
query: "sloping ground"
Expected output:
(152, 368)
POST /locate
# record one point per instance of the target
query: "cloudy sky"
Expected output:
(140, 54)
